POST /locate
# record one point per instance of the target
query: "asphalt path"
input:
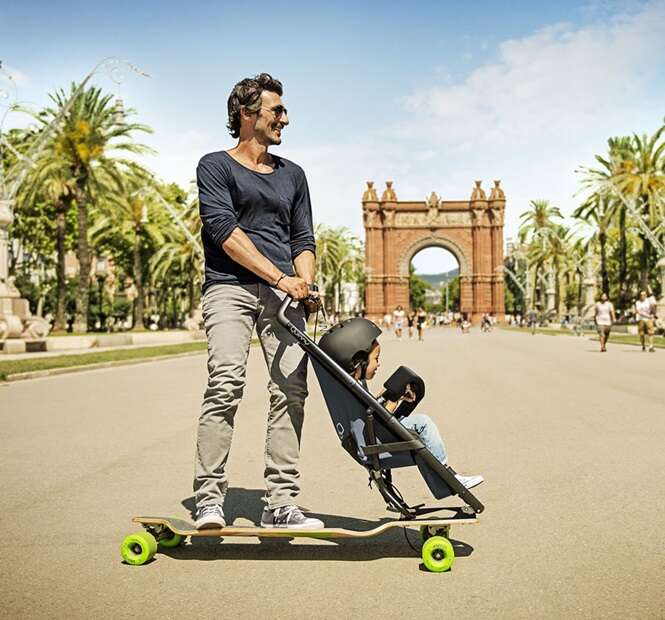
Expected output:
(570, 441)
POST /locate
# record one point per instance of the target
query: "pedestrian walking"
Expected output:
(410, 319)
(398, 321)
(604, 317)
(421, 317)
(645, 309)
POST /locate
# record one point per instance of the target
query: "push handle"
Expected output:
(281, 313)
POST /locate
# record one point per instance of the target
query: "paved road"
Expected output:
(570, 442)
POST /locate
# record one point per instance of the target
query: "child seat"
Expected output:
(373, 436)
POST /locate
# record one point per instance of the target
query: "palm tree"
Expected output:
(339, 260)
(574, 261)
(178, 261)
(50, 180)
(535, 228)
(634, 174)
(132, 215)
(644, 181)
(92, 128)
(602, 182)
(597, 211)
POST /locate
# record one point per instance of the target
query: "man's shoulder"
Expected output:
(214, 167)
(214, 158)
(217, 160)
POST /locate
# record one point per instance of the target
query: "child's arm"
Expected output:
(390, 405)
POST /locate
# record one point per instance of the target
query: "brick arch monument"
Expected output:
(472, 230)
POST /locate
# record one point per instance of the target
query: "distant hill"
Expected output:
(433, 279)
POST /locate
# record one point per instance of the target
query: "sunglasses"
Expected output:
(278, 110)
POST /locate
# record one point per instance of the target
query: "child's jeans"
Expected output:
(428, 433)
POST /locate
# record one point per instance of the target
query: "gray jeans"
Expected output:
(230, 313)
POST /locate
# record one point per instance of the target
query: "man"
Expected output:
(604, 317)
(259, 246)
(645, 310)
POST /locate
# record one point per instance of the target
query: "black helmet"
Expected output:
(345, 340)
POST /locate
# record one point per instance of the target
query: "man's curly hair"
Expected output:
(247, 94)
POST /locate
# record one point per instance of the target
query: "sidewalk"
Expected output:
(86, 344)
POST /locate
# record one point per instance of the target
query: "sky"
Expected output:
(430, 95)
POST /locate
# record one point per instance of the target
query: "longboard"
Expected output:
(168, 532)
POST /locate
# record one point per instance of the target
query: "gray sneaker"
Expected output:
(209, 517)
(290, 517)
(470, 481)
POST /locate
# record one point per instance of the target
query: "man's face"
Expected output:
(373, 362)
(270, 119)
(643, 295)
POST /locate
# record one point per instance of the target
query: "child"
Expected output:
(354, 346)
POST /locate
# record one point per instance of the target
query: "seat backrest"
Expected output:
(349, 417)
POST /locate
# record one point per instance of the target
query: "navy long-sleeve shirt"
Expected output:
(273, 209)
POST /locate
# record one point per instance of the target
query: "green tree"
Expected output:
(177, 263)
(92, 128)
(340, 259)
(45, 197)
(597, 211)
(643, 179)
(130, 218)
(536, 227)
(633, 174)
(417, 289)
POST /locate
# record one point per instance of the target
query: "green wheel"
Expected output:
(427, 531)
(170, 539)
(139, 548)
(438, 554)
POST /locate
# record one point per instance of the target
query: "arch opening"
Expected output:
(434, 280)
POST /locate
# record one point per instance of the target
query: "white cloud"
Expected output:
(545, 106)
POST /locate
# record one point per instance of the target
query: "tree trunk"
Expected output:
(605, 279)
(644, 263)
(557, 286)
(646, 249)
(83, 254)
(60, 321)
(623, 261)
(174, 309)
(139, 304)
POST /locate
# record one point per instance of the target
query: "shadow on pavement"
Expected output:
(248, 504)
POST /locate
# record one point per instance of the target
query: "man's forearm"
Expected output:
(240, 248)
(305, 264)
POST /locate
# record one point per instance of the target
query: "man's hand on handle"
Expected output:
(299, 290)
(294, 287)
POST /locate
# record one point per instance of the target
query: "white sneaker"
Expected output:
(210, 516)
(290, 517)
(470, 481)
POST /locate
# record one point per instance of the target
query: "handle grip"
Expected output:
(281, 313)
